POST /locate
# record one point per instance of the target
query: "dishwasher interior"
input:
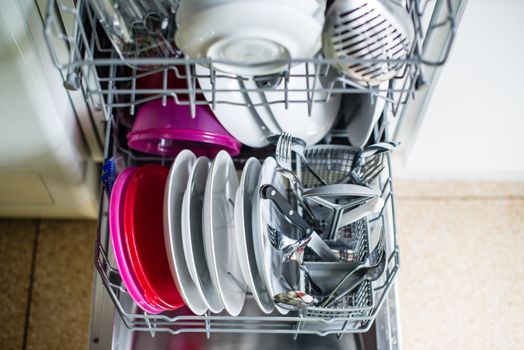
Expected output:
(365, 318)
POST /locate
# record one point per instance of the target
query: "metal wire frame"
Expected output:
(93, 60)
(315, 321)
(320, 321)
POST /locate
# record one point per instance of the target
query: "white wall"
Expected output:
(474, 124)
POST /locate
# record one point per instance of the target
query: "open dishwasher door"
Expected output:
(371, 319)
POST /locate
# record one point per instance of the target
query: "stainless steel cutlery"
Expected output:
(375, 259)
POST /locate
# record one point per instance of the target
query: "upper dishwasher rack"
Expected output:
(81, 50)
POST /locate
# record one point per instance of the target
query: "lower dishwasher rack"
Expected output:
(312, 321)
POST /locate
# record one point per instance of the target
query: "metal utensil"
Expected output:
(341, 190)
(369, 163)
(376, 34)
(379, 148)
(339, 199)
(283, 156)
(298, 146)
(373, 260)
(293, 300)
(371, 274)
(268, 81)
(254, 113)
(328, 274)
(316, 243)
(293, 250)
(372, 206)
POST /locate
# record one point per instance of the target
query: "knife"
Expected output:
(316, 243)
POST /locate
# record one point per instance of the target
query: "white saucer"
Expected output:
(219, 233)
(192, 238)
(174, 193)
(244, 235)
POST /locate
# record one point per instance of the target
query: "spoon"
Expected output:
(293, 300)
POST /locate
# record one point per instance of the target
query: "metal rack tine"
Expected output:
(242, 286)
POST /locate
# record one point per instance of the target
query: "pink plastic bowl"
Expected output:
(167, 130)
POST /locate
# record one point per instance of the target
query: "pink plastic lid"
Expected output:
(116, 229)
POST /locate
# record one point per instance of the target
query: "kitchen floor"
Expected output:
(461, 282)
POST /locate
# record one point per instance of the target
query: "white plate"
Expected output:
(269, 260)
(219, 233)
(244, 123)
(244, 235)
(174, 193)
(192, 239)
(362, 113)
(250, 32)
(295, 119)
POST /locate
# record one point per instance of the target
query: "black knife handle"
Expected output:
(271, 193)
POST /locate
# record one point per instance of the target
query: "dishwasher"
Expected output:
(111, 82)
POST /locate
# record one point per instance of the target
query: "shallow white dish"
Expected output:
(219, 233)
(192, 235)
(244, 123)
(269, 260)
(173, 196)
(244, 235)
(295, 119)
(362, 113)
(250, 33)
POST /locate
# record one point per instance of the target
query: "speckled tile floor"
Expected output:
(46, 269)
(461, 281)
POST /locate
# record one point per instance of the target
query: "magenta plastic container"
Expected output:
(116, 229)
(167, 130)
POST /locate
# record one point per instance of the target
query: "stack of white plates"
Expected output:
(216, 233)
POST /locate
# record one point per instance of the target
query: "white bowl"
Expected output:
(252, 126)
(295, 119)
(251, 34)
(238, 119)
(188, 8)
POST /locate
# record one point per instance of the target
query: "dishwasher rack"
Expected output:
(354, 314)
(90, 63)
(110, 84)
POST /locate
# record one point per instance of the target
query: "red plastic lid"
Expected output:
(143, 222)
(117, 233)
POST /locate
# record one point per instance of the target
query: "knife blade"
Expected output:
(316, 243)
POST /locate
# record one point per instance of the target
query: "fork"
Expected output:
(365, 174)
(283, 156)
(298, 146)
